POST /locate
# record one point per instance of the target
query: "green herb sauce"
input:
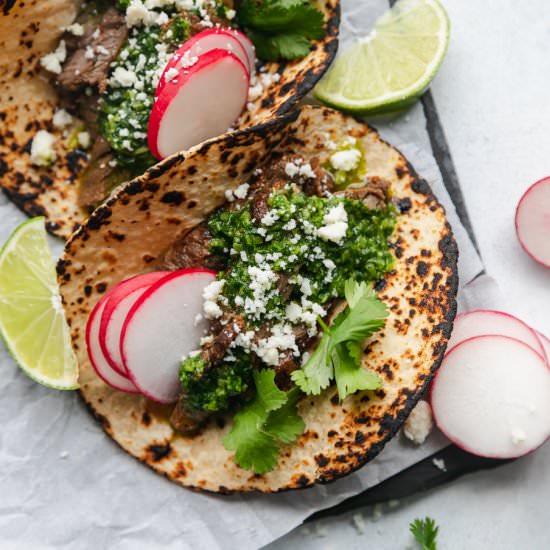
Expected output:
(363, 254)
(342, 178)
(214, 390)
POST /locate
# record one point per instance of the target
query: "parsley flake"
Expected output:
(425, 532)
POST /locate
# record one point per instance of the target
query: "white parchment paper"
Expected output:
(64, 484)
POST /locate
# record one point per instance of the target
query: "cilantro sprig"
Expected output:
(338, 355)
(281, 29)
(425, 533)
(263, 424)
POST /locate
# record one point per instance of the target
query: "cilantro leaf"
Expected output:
(282, 16)
(285, 423)
(282, 45)
(363, 318)
(281, 28)
(338, 354)
(354, 292)
(263, 424)
(350, 375)
(425, 532)
(318, 372)
(271, 397)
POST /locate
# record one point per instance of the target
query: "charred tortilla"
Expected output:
(28, 31)
(127, 234)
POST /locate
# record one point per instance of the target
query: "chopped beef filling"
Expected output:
(89, 63)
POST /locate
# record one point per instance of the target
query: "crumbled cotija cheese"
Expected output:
(83, 139)
(170, 74)
(336, 224)
(42, 151)
(419, 424)
(62, 119)
(52, 61)
(76, 28)
(346, 160)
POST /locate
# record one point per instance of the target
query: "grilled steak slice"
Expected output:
(322, 184)
(190, 251)
(214, 351)
(94, 181)
(89, 63)
(375, 194)
(186, 420)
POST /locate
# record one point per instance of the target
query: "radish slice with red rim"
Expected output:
(248, 46)
(484, 322)
(533, 221)
(121, 299)
(96, 356)
(201, 103)
(491, 397)
(545, 342)
(210, 39)
(162, 328)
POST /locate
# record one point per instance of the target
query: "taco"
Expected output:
(309, 221)
(77, 81)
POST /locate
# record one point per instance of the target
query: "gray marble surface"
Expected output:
(492, 96)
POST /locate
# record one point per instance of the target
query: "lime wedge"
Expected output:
(32, 319)
(390, 68)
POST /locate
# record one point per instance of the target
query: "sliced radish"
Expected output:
(248, 46)
(121, 299)
(210, 39)
(162, 328)
(491, 396)
(483, 322)
(97, 359)
(201, 103)
(533, 221)
(545, 341)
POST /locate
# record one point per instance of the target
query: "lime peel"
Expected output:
(32, 318)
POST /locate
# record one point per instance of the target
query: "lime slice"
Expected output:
(32, 319)
(389, 69)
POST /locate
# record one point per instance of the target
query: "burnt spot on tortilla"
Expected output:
(146, 419)
(422, 268)
(404, 205)
(380, 285)
(99, 218)
(173, 197)
(322, 460)
(157, 452)
(179, 471)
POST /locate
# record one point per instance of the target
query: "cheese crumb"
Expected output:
(83, 139)
(76, 28)
(419, 424)
(123, 77)
(336, 224)
(170, 74)
(62, 119)
(42, 151)
(440, 464)
(52, 61)
(187, 60)
(346, 160)
(242, 191)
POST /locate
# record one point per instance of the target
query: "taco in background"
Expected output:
(331, 310)
(78, 80)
